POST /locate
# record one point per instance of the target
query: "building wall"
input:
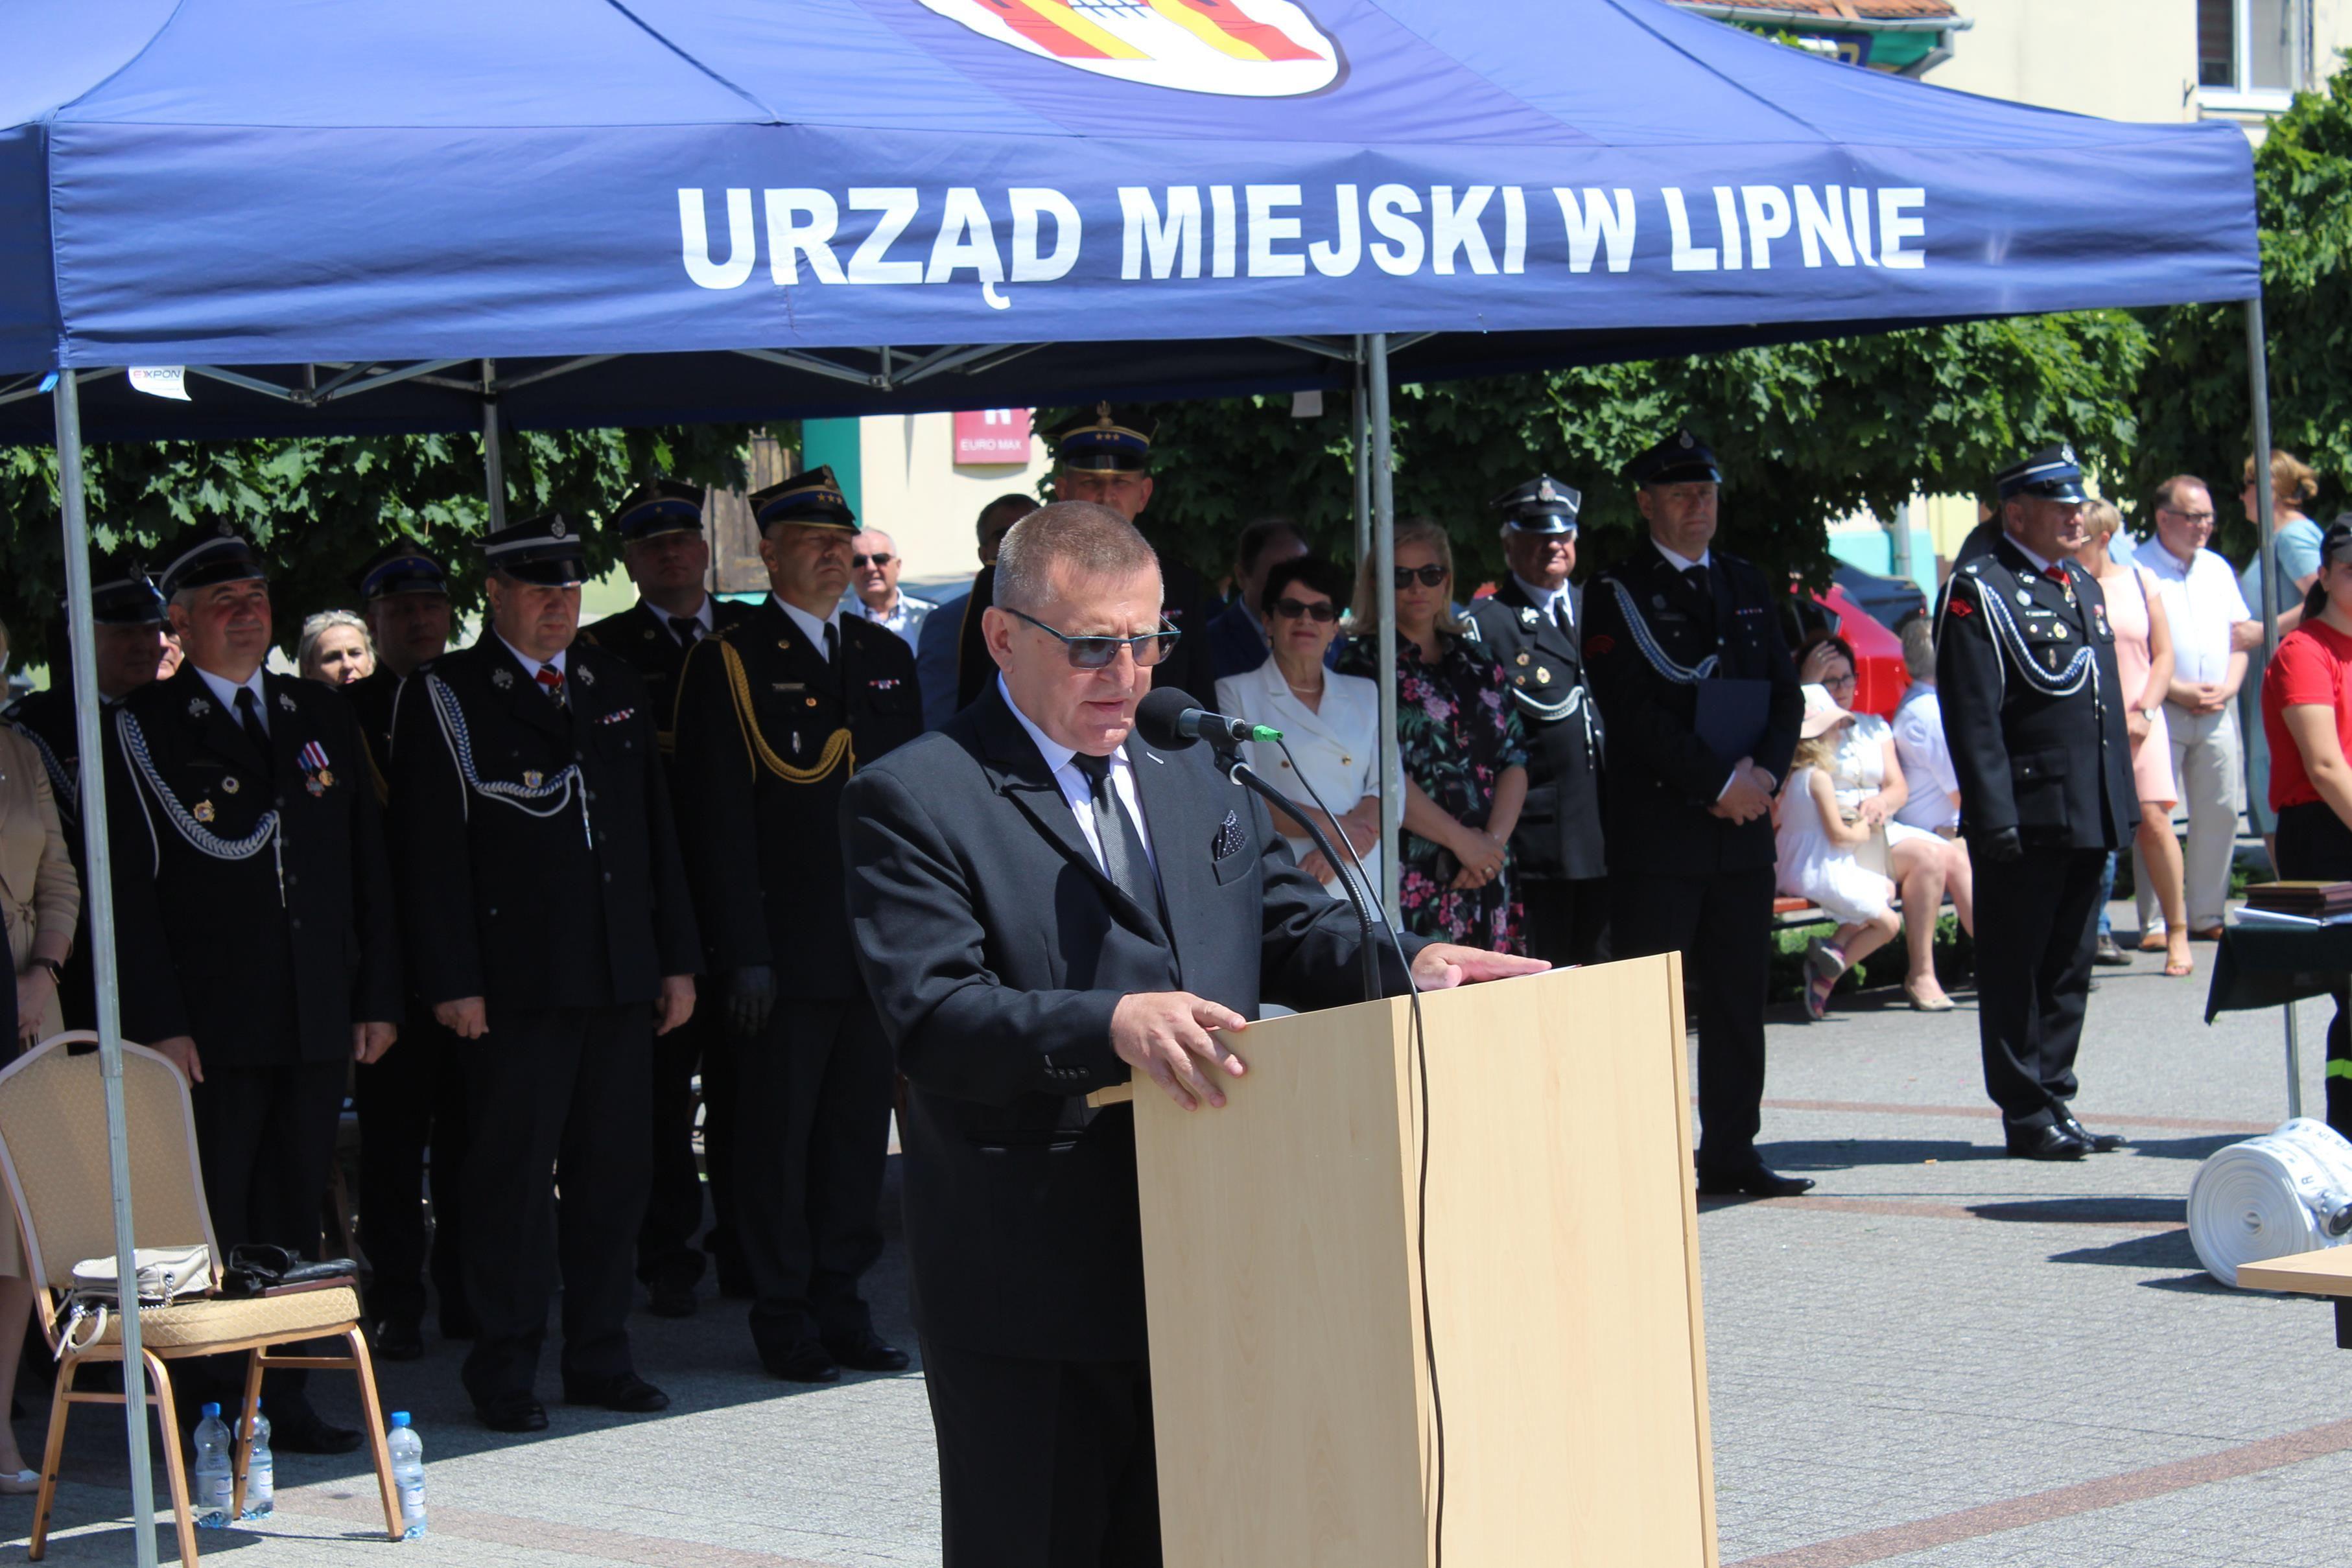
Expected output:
(2141, 54)
(914, 491)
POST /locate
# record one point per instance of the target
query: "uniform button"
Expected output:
(608, 876)
(295, 924)
(579, 757)
(290, 879)
(494, 911)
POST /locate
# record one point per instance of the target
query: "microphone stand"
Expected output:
(1229, 760)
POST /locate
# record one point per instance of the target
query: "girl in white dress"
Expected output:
(1816, 855)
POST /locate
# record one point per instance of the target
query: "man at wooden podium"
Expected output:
(1042, 905)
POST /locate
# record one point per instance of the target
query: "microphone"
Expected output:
(1171, 719)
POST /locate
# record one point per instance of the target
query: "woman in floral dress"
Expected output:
(1465, 755)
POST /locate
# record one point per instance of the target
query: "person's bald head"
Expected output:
(874, 568)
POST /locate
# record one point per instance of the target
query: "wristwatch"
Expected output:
(56, 970)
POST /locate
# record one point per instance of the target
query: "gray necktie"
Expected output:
(1123, 860)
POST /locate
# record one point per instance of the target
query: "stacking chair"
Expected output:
(53, 1157)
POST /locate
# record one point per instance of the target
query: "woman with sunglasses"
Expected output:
(1462, 744)
(1331, 721)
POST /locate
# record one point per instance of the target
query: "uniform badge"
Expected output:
(811, 701)
(783, 644)
(198, 708)
(312, 785)
(326, 779)
(1523, 658)
(503, 678)
(2023, 596)
(587, 676)
(1543, 677)
(2060, 631)
(531, 777)
(202, 810)
(285, 702)
(1658, 602)
(1527, 617)
(232, 784)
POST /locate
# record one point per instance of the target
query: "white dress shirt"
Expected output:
(705, 616)
(226, 691)
(2201, 602)
(810, 627)
(905, 617)
(528, 663)
(1551, 603)
(1679, 562)
(1079, 791)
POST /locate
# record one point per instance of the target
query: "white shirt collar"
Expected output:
(2039, 564)
(226, 690)
(1077, 789)
(811, 626)
(1679, 562)
(705, 615)
(1546, 599)
(531, 664)
(1057, 756)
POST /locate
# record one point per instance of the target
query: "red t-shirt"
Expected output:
(2313, 667)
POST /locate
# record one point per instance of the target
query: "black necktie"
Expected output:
(1559, 616)
(831, 644)
(1123, 858)
(249, 718)
(1697, 577)
(687, 629)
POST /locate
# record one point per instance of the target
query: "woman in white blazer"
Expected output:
(1332, 721)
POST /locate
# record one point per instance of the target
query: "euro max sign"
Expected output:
(988, 238)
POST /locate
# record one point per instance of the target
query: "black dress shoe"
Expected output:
(2097, 1143)
(2050, 1143)
(735, 1283)
(306, 1432)
(670, 1301)
(867, 1352)
(628, 1394)
(1752, 1181)
(802, 1361)
(397, 1339)
(458, 1324)
(514, 1411)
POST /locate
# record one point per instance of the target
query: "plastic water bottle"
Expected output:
(214, 1481)
(260, 1471)
(408, 1474)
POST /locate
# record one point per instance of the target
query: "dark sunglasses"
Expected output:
(1101, 652)
(885, 558)
(1291, 609)
(1431, 576)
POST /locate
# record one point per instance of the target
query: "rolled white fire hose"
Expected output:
(2287, 1191)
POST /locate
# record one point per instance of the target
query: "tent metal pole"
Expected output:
(1383, 585)
(1359, 432)
(2258, 390)
(494, 463)
(97, 898)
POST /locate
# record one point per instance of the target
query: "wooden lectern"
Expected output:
(1297, 1419)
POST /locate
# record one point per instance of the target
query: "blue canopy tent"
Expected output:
(342, 219)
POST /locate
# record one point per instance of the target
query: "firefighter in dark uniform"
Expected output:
(1684, 650)
(773, 716)
(127, 611)
(1533, 624)
(413, 1101)
(2034, 715)
(668, 557)
(254, 912)
(1106, 458)
(550, 928)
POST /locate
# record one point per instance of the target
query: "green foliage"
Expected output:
(317, 508)
(2193, 405)
(1807, 433)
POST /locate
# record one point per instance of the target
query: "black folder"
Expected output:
(1731, 718)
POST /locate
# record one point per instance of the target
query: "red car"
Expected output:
(1880, 679)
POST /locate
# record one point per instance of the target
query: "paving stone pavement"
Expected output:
(1941, 1359)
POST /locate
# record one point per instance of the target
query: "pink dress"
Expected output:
(2129, 591)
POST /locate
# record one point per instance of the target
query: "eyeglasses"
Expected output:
(1430, 576)
(885, 558)
(1101, 652)
(2202, 519)
(1834, 681)
(1321, 610)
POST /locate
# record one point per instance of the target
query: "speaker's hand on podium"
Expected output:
(1442, 966)
(1171, 1036)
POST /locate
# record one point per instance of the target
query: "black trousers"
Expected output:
(813, 1133)
(266, 1144)
(554, 1097)
(1568, 922)
(2313, 843)
(1722, 925)
(412, 1101)
(667, 1253)
(1043, 1464)
(2037, 925)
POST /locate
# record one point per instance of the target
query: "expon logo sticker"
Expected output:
(1237, 48)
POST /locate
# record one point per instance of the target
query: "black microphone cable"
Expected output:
(1420, 1048)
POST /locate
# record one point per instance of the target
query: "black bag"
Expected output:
(258, 1268)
